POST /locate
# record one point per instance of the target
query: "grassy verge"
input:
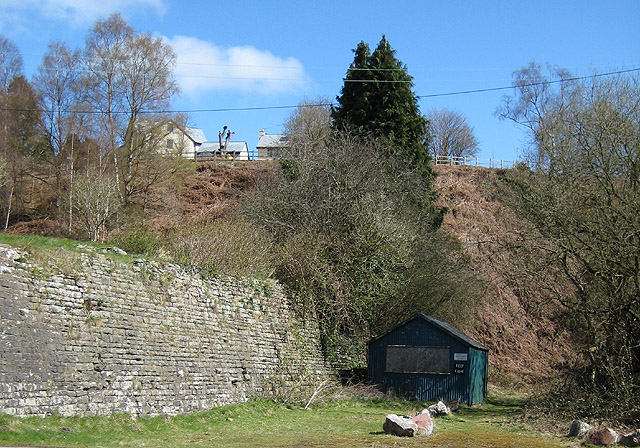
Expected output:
(41, 242)
(263, 423)
(48, 249)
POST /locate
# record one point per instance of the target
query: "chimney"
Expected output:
(262, 133)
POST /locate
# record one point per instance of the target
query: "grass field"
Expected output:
(263, 423)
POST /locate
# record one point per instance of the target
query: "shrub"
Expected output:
(231, 246)
(357, 243)
(139, 241)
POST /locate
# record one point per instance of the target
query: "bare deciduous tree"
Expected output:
(10, 62)
(536, 107)
(60, 97)
(149, 85)
(96, 201)
(584, 198)
(310, 122)
(105, 53)
(449, 134)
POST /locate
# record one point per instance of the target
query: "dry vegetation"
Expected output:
(517, 321)
(521, 326)
(215, 188)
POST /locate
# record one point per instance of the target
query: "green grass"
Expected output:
(263, 423)
(50, 249)
(42, 242)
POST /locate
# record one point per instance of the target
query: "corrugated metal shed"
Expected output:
(427, 359)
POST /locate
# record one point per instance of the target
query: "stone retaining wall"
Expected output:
(143, 338)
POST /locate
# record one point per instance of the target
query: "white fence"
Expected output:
(474, 161)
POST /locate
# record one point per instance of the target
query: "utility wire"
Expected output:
(533, 84)
(434, 95)
(202, 76)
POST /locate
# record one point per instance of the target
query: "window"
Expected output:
(417, 359)
(169, 144)
(169, 127)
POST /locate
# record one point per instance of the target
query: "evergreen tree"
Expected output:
(354, 110)
(377, 99)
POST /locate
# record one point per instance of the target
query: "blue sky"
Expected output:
(262, 54)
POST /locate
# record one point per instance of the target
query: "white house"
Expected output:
(182, 140)
(192, 144)
(270, 146)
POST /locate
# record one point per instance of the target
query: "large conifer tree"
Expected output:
(377, 99)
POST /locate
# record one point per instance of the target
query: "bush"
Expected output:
(139, 241)
(231, 246)
(584, 200)
(357, 243)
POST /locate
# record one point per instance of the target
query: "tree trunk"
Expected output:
(71, 187)
(6, 221)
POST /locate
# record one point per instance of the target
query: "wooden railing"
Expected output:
(474, 161)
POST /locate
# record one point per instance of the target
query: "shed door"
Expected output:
(478, 376)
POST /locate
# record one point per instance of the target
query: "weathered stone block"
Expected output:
(400, 426)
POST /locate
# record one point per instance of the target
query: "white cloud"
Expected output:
(203, 66)
(78, 12)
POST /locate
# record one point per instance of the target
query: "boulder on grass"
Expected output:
(438, 409)
(602, 436)
(453, 405)
(632, 439)
(400, 426)
(579, 429)
(424, 422)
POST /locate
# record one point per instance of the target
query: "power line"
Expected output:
(83, 57)
(206, 76)
(256, 108)
(533, 84)
(433, 95)
(377, 81)
(240, 109)
(169, 111)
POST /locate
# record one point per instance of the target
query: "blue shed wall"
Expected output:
(420, 386)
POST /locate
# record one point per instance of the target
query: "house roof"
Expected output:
(449, 329)
(211, 147)
(273, 141)
(196, 134)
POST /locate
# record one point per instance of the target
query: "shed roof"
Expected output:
(273, 141)
(449, 329)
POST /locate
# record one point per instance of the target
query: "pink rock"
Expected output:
(424, 422)
(604, 436)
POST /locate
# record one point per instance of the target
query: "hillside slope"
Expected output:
(517, 320)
